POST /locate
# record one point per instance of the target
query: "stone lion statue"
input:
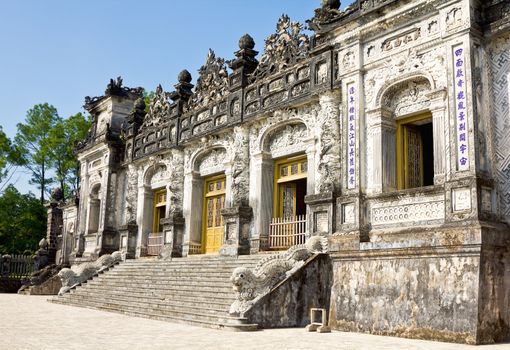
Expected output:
(78, 274)
(252, 284)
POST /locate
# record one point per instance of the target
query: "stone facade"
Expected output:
(412, 262)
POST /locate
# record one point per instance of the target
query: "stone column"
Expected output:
(321, 214)
(381, 157)
(192, 209)
(128, 235)
(228, 185)
(438, 110)
(237, 227)
(328, 146)
(143, 218)
(173, 230)
(54, 229)
(261, 196)
(310, 158)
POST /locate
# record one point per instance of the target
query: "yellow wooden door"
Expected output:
(213, 221)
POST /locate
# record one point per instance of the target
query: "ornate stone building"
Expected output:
(387, 130)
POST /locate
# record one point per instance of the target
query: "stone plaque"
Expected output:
(168, 236)
(123, 242)
(348, 213)
(461, 199)
(321, 222)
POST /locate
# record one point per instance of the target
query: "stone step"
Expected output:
(191, 262)
(182, 313)
(137, 277)
(203, 296)
(219, 270)
(195, 281)
(166, 305)
(174, 267)
(218, 302)
(192, 290)
(180, 274)
(168, 290)
(223, 323)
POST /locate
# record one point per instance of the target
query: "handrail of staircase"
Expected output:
(251, 285)
(78, 274)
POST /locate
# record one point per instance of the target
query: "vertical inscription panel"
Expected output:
(461, 112)
(351, 136)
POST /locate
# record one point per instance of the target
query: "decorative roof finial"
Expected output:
(184, 77)
(246, 42)
(331, 4)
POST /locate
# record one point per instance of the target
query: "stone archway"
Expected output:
(279, 141)
(397, 100)
(203, 164)
(155, 177)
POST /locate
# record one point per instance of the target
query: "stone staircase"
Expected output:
(194, 290)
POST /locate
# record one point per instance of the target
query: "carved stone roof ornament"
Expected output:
(329, 10)
(244, 64)
(114, 88)
(135, 118)
(212, 83)
(159, 107)
(283, 49)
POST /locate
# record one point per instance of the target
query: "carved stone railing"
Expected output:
(206, 119)
(412, 207)
(251, 285)
(78, 274)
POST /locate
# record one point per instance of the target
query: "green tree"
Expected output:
(32, 141)
(62, 140)
(148, 96)
(22, 222)
(7, 158)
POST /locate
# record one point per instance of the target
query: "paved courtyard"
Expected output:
(30, 322)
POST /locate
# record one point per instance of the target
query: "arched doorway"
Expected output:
(212, 220)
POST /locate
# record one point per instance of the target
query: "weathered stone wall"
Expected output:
(417, 293)
(494, 294)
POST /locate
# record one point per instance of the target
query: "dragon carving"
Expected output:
(78, 274)
(251, 285)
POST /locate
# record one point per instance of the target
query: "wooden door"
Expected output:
(287, 200)
(413, 158)
(213, 224)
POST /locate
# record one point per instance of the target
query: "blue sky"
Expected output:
(59, 51)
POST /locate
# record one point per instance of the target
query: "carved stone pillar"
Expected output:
(438, 110)
(310, 176)
(228, 184)
(321, 214)
(54, 229)
(173, 228)
(237, 227)
(328, 147)
(381, 155)
(128, 234)
(192, 210)
(261, 197)
(143, 218)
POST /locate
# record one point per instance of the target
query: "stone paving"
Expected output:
(30, 322)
